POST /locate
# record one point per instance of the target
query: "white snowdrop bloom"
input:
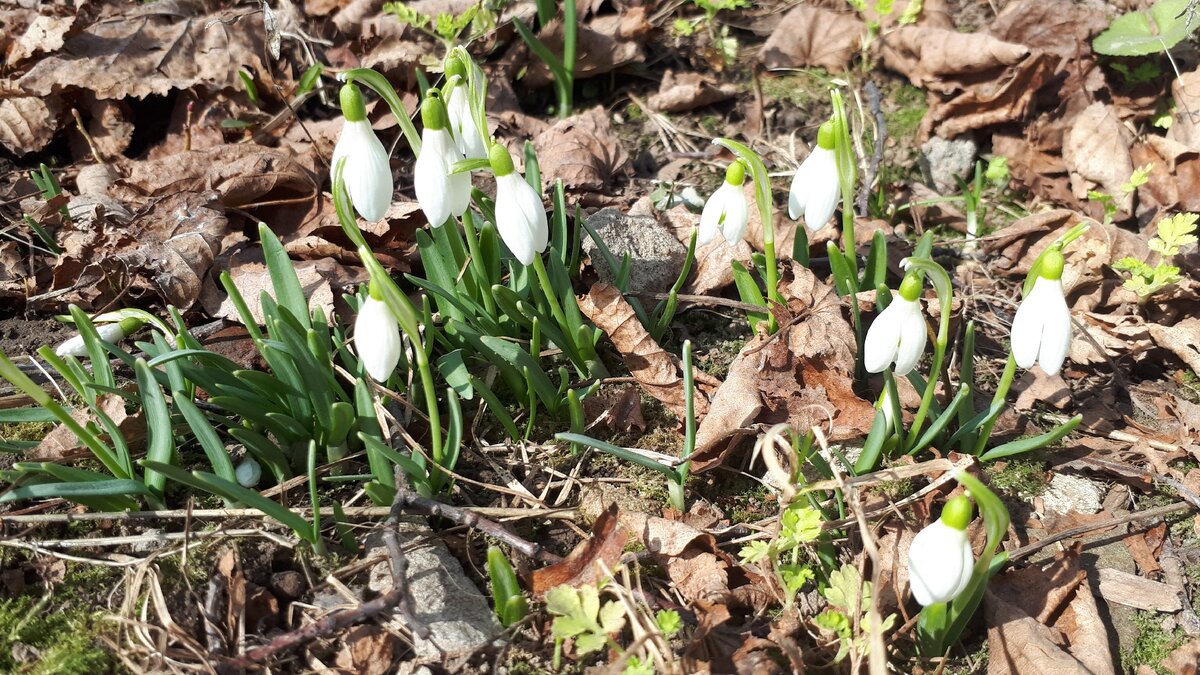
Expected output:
(440, 193)
(940, 560)
(248, 473)
(520, 214)
(377, 338)
(367, 173)
(1041, 330)
(111, 333)
(466, 134)
(726, 210)
(815, 188)
(898, 334)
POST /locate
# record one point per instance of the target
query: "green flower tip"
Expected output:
(736, 173)
(433, 111)
(353, 108)
(958, 512)
(501, 161)
(1052, 264)
(375, 289)
(454, 66)
(910, 288)
(826, 135)
(131, 325)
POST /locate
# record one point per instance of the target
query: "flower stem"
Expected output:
(1006, 380)
(945, 291)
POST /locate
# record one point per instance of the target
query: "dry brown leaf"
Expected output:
(111, 128)
(1145, 548)
(1182, 340)
(367, 650)
(811, 36)
(153, 49)
(712, 270)
(1007, 97)
(28, 123)
(1037, 387)
(1185, 127)
(1185, 660)
(1131, 590)
(654, 369)
(616, 409)
(1096, 151)
(680, 92)
(932, 58)
(1044, 619)
(1055, 26)
(803, 375)
(62, 444)
(583, 151)
(322, 280)
(605, 44)
(587, 563)
(44, 34)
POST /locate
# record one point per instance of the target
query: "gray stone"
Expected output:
(656, 256)
(1068, 494)
(444, 599)
(945, 160)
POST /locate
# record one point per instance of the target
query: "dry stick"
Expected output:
(1160, 512)
(348, 512)
(395, 599)
(876, 104)
(1125, 469)
(409, 499)
(212, 634)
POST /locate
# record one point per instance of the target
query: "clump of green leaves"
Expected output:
(580, 617)
(59, 642)
(444, 27)
(725, 44)
(849, 595)
(912, 11)
(1164, 25)
(1174, 232)
(1140, 177)
(798, 526)
(507, 598)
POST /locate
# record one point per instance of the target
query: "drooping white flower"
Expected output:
(111, 333)
(815, 188)
(367, 173)
(726, 210)
(520, 214)
(898, 334)
(940, 560)
(377, 338)
(1041, 330)
(440, 193)
(248, 473)
(466, 134)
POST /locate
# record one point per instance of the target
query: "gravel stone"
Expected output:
(1068, 494)
(656, 256)
(945, 160)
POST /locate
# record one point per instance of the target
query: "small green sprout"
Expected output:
(579, 616)
(1174, 232)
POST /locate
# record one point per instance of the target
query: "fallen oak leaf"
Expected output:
(809, 36)
(587, 563)
(654, 369)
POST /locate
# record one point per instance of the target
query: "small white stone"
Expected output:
(1067, 494)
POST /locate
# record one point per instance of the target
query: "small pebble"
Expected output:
(289, 584)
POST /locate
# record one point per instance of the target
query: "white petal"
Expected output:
(913, 336)
(1026, 337)
(74, 346)
(440, 193)
(736, 215)
(377, 338)
(520, 218)
(466, 136)
(939, 563)
(798, 194)
(825, 191)
(883, 338)
(367, 174)
(1056, 327)
(711, 216)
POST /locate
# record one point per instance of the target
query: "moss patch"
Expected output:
(906, 111)
(1153, 643)
(1018, 478)
(38, 640)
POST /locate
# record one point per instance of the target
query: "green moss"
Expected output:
(907, 110)
(1152, 645)
(24, 431)
(1018, 478)
(634, 113)
(37, 639)
(800, 88)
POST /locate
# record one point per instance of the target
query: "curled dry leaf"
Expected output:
(653, 368)
(803, 375)
(367, 650)
(152, 50)
(28, 123)
(44, 34)
(591, 560)
(811, 36)
(1044, 619)
(583, 151)
(680, 92)
(603, 45)
(1185, 127)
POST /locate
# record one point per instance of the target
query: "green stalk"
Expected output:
(1006, 380)
(941, 282)
(762, 199)
(556, 309)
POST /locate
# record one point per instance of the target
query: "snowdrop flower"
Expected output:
(111, 333)
(940, 561)
(367, 173)
(815, 187)
(440, 193)
(248, 473)
(726, 209)
(520, 214)
(898, 333)
(1041, 331)
(458, 109)
(377, 337)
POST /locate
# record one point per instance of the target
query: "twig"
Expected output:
(1154, 514)
(700, 300)
(875, 101)
(411, 500)
(1125, 469)
(212, 635)
(355, 512)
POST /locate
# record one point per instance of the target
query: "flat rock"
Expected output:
(1067, 494)
(945, 160)
(443, 597)
(656, 256)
